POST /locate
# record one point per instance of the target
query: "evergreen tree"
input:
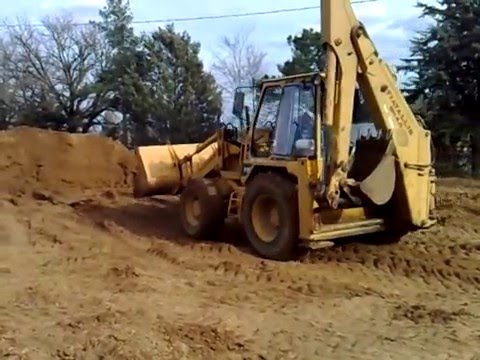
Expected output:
(159, 81)
(445, 62)
(307, 53)
(189, 102)
(127, 69)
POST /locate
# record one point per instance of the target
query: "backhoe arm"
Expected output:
(338, 21)
(352, 58)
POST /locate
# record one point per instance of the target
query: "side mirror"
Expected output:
(238, 104)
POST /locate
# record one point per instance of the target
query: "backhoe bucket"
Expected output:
(164, 169)
(380, 184)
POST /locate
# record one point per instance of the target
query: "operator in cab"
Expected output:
(305, 132)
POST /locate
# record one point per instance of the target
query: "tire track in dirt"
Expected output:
(431, 264)
(452, 266)
(204, 340)
(233, 267)
(423, 314)
(225, 262)
(462, 249)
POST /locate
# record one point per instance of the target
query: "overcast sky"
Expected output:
(391, 23)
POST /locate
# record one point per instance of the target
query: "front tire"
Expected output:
(270, 216)
(203, 209)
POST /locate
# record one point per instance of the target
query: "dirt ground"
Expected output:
(87, 272)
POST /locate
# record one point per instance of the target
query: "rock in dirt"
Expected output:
(37, 161)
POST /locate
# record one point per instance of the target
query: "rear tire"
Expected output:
(203, 209)
(270, 216)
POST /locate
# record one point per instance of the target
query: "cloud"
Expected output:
(370, 11)
(81, 10)
(81, 13)
(55, 4)
(391, 23)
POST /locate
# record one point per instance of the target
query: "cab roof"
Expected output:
(294, 78)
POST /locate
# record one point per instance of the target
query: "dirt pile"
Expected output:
(34, 160)
(118, 279)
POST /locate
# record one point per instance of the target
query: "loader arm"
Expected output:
(352, 58)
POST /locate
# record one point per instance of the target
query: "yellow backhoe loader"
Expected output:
(299, 174)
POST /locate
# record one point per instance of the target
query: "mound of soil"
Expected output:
(36, 160)
(118, 278)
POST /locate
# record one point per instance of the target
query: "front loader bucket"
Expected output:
(163, 169)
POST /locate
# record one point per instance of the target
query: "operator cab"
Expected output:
(284, 126)
(285, 116)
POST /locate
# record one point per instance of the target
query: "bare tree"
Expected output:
(54, 70)
(238, 62)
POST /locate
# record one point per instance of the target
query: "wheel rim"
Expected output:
(192, 211)
(265, 218)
